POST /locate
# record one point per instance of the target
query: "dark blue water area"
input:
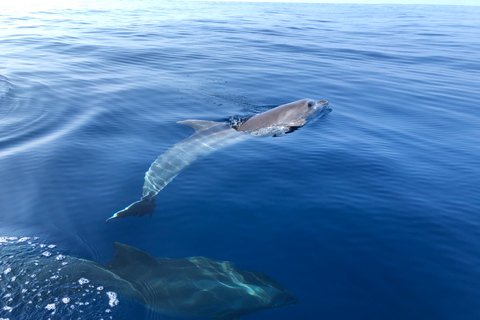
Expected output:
(371, 212)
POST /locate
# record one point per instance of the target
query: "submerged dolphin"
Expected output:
(184, 287)
(210, 136)
(197, 286)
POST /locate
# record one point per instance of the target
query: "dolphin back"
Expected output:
(208, 137)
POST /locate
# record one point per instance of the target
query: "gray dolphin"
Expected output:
(197, 286)
(35, 283)
(210, 136)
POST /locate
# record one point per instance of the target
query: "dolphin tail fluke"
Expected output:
(139, 208)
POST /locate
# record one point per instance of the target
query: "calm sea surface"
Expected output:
(371, 212)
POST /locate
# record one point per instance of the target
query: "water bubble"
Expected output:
(113, 301)
(7, 308)
(7, 270)
(51, 246)
(82, 281)
(23, 239)
(50, 306)
(46, 253)
(60, 257)
(100, 288)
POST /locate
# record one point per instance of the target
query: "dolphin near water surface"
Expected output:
(210, 136)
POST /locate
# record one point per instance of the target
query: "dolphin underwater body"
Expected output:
(33, 282)
(210, 136)
(197, 286)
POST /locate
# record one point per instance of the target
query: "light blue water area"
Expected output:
(371, 212)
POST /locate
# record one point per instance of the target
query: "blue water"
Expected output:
(371, 212)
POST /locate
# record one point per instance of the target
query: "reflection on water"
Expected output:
(41, 282)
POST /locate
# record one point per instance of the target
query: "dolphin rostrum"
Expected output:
(210, 136)
(38, 281)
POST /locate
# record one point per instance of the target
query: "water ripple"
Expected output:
(28, 122)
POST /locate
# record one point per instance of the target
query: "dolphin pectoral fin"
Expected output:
(139, 208)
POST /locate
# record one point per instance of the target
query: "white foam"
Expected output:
(113, 301)
(50, 306)
(82, 281)
(66, 300)
(7, 308)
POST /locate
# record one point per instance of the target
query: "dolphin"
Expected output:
(182, 287)
(197, 286)
(210, 136)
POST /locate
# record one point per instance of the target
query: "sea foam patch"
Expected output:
(38, 282)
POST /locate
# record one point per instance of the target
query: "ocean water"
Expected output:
(371, 212)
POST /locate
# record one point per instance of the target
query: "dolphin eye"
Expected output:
(311, 103)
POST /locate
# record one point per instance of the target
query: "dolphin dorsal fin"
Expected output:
(199, 125)
(128, 258)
